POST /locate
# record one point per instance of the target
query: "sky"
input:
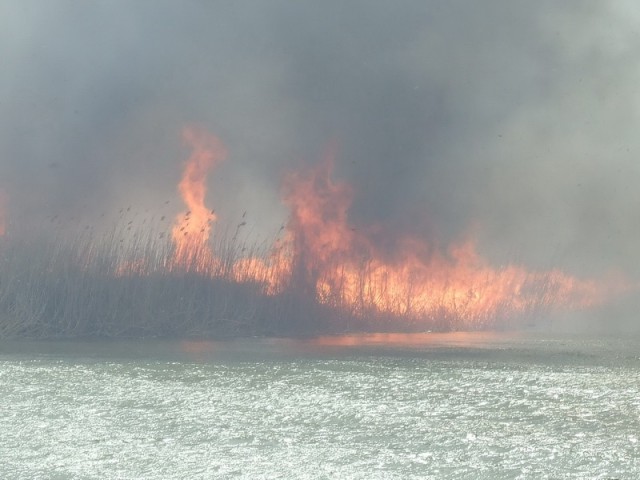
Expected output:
(515, 122)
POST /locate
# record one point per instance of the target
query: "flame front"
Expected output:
(192, 228)
(322, 257)
(346, 270)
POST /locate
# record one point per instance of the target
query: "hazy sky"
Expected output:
(515, 120)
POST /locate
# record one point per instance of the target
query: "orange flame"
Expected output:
(273, 273)
(324, 258)
(343, 268)
(192, 228)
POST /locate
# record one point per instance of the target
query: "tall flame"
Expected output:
(323, 258)
(192, 228)
(345, 269)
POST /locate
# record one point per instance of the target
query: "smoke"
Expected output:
(516, 121)
(3, 201)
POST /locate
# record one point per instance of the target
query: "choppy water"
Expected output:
(421, 406)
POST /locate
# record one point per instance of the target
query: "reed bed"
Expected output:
(120, 282)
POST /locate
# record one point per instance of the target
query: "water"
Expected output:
(417, 406)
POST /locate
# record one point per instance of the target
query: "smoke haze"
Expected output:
(514, 121)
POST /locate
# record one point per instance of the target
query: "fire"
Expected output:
(318, 224)
(273, 273)
(322, 257)
(345, 269)
(132, 267)
(192, 228)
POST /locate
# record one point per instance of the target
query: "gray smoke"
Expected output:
(515, 120)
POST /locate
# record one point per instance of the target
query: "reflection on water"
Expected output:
(426, 339)
(523, 346)
(197, 347)
(348, 342)
(498, 346)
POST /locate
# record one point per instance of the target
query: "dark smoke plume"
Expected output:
(516, 121)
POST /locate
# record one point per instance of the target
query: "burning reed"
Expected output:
(124, 285)
(320, 275)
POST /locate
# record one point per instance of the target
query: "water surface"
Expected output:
(364, 406)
